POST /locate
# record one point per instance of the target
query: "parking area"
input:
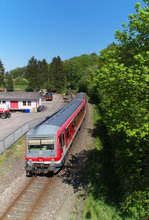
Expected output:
(17, 118)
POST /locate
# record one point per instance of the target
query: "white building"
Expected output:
(28, 101)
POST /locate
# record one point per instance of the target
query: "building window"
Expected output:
(24, 103)
(29, 103)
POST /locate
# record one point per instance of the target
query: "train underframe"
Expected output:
(41, 168)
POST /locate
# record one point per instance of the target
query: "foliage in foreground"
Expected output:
(122, 89)
(102, 193)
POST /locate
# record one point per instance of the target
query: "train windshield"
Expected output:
(41, 144)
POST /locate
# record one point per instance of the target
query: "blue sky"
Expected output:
(65, 28)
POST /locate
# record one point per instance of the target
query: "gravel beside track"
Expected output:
(27, 201)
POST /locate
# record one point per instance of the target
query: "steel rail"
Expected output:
(40, 198)
(26, 203)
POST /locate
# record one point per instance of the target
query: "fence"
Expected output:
(14, 136)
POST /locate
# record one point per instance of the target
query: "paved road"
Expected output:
(17, 119)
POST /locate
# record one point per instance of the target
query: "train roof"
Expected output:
(42, 130)
(80, 95)
(52, 124)
(62, 115)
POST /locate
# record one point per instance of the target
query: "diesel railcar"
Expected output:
(47, 144)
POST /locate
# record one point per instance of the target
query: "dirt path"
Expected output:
(61, 198)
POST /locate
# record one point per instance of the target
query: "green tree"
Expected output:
(43, 71)
(68, 66)
(57, 74)
(32, 74)
(77, 67)
(83, 85)
(2, 71)
(20, 81)
(121, 82)
(9, 83)
(134, 39)
(18, 72)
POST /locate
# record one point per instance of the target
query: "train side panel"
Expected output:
(69, 130)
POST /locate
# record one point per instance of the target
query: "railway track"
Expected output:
(29, 199)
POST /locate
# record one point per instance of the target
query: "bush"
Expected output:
(136, 205)
(83, 85)
(20, 81)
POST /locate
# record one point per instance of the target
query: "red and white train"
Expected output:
(47, 144)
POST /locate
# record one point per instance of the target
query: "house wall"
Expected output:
(33, 107)
(39, 102)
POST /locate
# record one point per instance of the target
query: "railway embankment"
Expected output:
(59, 202)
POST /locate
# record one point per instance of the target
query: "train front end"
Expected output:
(40, 152)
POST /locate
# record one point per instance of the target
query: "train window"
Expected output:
(77, 117)
(47, 144)
(67, 132)
(72, 125)
(75, 121)
(41, 144)
(60, 142)
(33, 142)
(63, 140)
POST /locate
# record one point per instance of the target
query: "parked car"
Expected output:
(49, 96)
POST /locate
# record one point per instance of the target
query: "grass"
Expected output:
(16, 151)
(19, 87)
(102, 191)
(76, 210)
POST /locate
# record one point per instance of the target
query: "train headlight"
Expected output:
(52, 163)
(30, 163)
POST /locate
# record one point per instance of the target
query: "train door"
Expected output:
(72, 128)
(63, 142)
(75, 124)
(68, 136)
